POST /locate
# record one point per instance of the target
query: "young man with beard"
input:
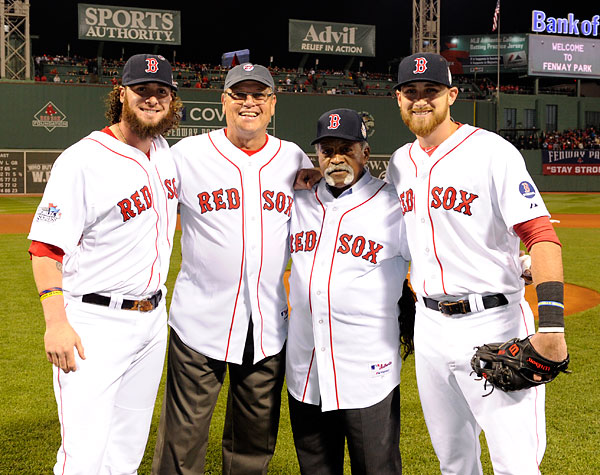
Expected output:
(102, 238)
(468, 199)
(229, 309)
(350, 260)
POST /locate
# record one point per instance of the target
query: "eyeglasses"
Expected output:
(257, 97)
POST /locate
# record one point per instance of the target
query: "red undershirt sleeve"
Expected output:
(536, 230)
(41, 249)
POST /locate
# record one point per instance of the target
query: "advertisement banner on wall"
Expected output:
(469, 54)
(331, 38)
(571, 162)
(133, 25)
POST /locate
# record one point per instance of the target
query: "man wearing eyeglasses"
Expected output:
(229, 307)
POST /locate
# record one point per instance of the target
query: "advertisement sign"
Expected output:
(133, 25)
(331, 38)
(571, 162)
(562, 56)
(470, 54)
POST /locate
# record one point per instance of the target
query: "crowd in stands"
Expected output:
(571, 139)
(63, 69)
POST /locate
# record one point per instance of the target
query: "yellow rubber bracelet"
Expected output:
(50, 294)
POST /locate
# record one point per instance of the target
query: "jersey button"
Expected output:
(426, 250)
(422, 220)
(320, 321)
(318, 292)
(322, 348)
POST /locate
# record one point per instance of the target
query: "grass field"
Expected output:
(29, 430)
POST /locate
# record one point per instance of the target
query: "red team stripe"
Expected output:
(316, 249)
(153, 201)
(262, 248)
(237, 295)
(166, 203)
(312, 357)
(337, 399)
(429, 208)
(62, 420)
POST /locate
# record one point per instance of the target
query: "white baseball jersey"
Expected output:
(347, 275)
(460, 206)
(113, 212)
(235, 213)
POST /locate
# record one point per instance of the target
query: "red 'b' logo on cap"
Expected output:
(152, 65)
(420, 65)
(334, 121)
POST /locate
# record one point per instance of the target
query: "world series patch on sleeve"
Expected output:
(511, 366)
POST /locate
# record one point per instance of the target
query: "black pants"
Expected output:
(373, 435)
(251, 420)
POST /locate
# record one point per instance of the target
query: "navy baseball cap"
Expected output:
(141, 68)
(342, 124)
(249, 72)
(424, 67)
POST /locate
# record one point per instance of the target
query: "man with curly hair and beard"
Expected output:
(101, 242)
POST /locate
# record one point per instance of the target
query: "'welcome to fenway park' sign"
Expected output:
(571, 162)
(134, 25)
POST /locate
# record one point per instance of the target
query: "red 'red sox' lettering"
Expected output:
(129, 206)
(171, 189)
(303, 241)
(219, 199)
(280, 202)
(447, 199)
(357, 246)
(407, 200)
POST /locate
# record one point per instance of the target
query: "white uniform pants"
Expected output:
(105, 407)
(454, 409)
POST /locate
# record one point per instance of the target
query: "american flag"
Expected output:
(496, 15)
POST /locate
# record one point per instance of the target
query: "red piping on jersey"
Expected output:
(153, 207)
(237, 295)
(315, 254)
(537, 435)
(312, 357)
(62, 419)
(429, 207)
(329, 287)
(166, 214)
(262, 249)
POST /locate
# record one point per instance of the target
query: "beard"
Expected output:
(422, 127)
(341, 167)
(143, 129)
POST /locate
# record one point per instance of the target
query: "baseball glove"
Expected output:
(406, 319)
(511, 366)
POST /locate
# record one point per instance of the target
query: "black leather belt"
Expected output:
(463, 306)
(142, 305)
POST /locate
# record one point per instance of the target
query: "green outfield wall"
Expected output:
(40, 120)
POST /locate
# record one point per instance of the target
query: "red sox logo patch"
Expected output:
(420, 65)
(334, 121)
(152, 65)
(248, 67)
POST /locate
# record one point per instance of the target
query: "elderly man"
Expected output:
(467, 199)
(349, 263)
(229, 308)
(102, 238)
